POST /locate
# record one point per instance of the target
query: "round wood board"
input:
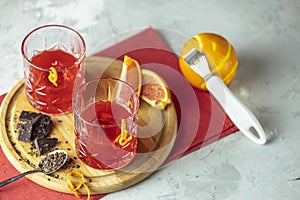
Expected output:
(157, 132)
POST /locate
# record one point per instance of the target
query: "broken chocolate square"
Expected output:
(33, 125)
(44, 144)
(25, 132)
(28, 116)
(42, 129)
(26, 129)
(45, 119)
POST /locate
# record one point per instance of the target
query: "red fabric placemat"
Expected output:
(200, 119)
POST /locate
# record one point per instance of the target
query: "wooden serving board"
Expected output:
(157, 132)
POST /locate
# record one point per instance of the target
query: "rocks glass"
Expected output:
(52, 56)
(105, 117)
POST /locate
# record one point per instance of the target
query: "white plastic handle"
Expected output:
(240, 115)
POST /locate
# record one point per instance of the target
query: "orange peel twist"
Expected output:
(53, 76)
(123, 138)
(74, 188)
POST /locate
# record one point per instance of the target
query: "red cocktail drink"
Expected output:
(105, 116)
(108, 117)
(53, 56)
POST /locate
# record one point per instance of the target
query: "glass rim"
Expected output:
(77, 113)
(78, 61)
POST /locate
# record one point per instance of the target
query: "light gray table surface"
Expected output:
(265, 35)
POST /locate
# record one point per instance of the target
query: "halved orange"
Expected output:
(131, 73)
(220, 54)
(155, 90)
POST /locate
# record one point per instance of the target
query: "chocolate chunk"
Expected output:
(44, 144)
(41, 125)
(33, 116)
(45, 119)
(25, 132)
(28, 116)
(42, 130)
(26, 129)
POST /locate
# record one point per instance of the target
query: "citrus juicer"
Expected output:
(239, 114)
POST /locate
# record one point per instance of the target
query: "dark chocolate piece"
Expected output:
(42, 130)
(25, 132)
(41, 125)
(44, 144)
(28, 116)
(45, 119)
(26, 129)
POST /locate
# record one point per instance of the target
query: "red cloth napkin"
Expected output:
(200, 119)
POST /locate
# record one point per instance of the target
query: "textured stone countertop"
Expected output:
(266, 37)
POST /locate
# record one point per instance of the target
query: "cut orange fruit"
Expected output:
(220, 54)
(131, 73)
(155, 90)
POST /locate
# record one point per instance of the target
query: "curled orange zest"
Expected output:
(53, 76)
(74, 188)
(123, 138)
